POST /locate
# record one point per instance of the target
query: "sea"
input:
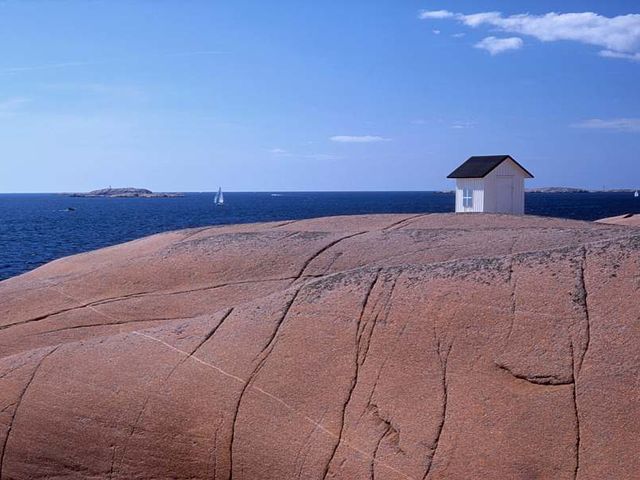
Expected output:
(38, 228)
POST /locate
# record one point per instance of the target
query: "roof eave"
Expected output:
(527, 173)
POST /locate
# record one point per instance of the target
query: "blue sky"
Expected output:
(335, 95)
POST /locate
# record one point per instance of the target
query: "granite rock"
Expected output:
(377, 347)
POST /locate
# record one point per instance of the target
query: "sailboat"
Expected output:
(219, 199)
(636, 194)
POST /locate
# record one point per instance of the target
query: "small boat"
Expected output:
(219, 199)
(636, 194)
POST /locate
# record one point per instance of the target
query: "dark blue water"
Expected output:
(35, 228)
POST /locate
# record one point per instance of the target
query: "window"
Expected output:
(467, 198)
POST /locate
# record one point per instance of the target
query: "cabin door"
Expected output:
(504, 194)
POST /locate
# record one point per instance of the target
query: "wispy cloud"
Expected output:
(11, 106)
(72, 64)
(278, 151)
(321, 156)
(462, 125)
(12, 103)
(281, 152)
(619, 37)
(46, 66)
(616, 124)
(103, 89)
(195, 53)
(496, 46)
(358, 139)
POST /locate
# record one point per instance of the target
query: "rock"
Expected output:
(124, 193)
(629, 219)
(385, 346)
(120, 191)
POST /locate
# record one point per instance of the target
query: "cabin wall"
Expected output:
(506, 169)
(478, 187)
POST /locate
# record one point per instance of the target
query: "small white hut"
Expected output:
(490, 184)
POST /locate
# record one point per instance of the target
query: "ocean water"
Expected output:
(37, 228)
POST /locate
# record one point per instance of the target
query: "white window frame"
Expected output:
(467, 197)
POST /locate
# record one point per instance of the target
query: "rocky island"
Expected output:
(392, 347)
(577, 190)
(124, 193)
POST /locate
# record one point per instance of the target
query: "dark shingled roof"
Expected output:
(479, 167)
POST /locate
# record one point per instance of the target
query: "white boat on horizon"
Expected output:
(219, 198)
(636, 194)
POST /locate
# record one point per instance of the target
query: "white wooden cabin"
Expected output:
(490, 184)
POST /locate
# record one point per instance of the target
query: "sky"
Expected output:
(286, 95)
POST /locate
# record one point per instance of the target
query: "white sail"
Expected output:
(219, 198)
(636, 194)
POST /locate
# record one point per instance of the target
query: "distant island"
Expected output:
(577, 190)
(124, 193)
(556, 190)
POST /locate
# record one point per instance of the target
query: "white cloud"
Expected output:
(436, 32)
(458, 35)
(626, 56)
(358, 139)
(617, 124)
(438, 14)
(478, 19)
(620, 34)
(619, 37)
(495, 45)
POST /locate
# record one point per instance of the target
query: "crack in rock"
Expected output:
(3, 453)
(321, 251)
(403, 223)
(583, 299)
(356, 371)
(264, 353)
(444, 365)
(536, 379)
(152, 293)
(134, 427)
